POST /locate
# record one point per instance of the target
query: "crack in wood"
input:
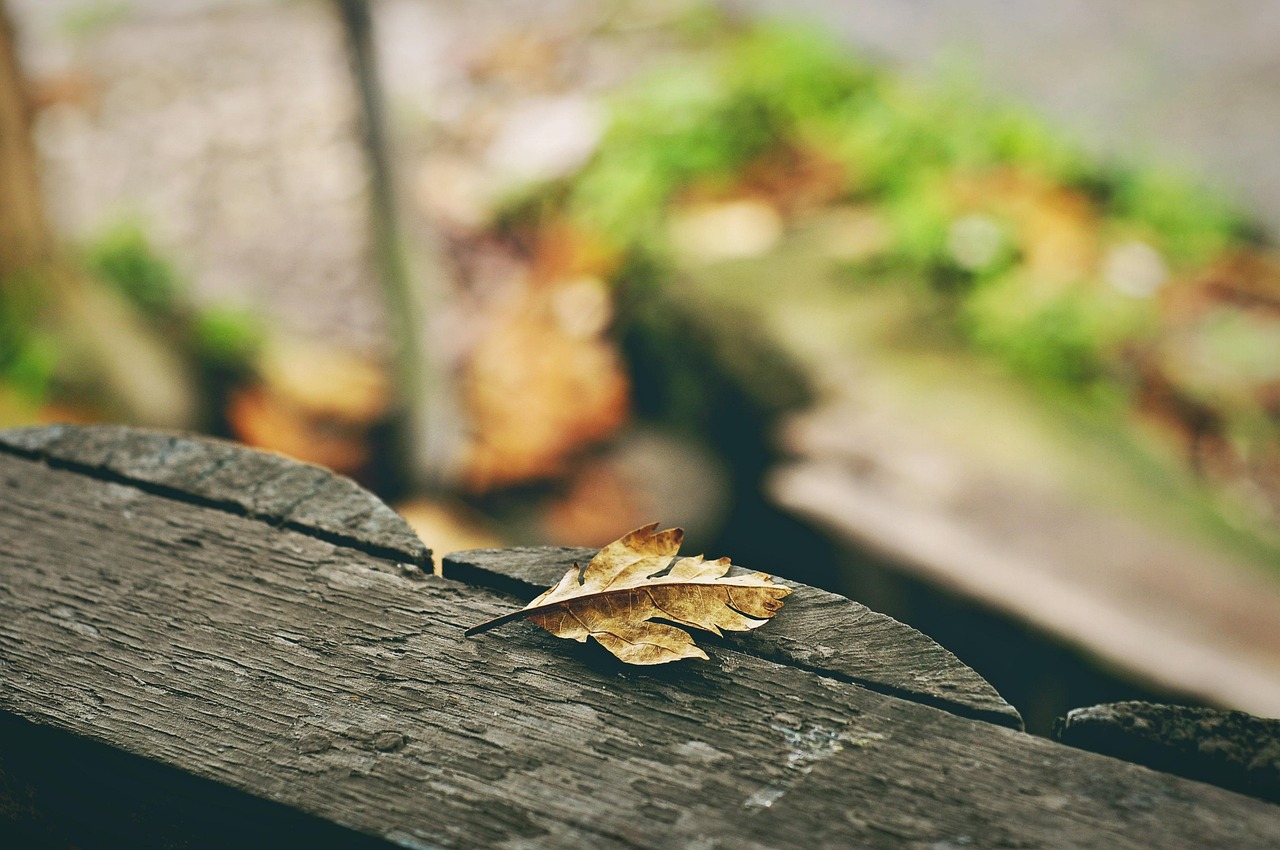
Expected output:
(313, 489)
(99, 472)
(212, 469)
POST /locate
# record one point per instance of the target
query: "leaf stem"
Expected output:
(560, 603)
(498, 621)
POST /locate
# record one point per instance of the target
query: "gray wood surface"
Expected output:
(223, 475)
(1229, 749)
(217, 654)
(815, 630)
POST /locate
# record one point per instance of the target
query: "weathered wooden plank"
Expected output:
(889, 656)
(336, 682)
(815, 630)
(62, 790)
(223, 474)
(1229, 749)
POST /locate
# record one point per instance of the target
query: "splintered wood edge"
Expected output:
(815, 630)
(1230, 749)
(225, 475)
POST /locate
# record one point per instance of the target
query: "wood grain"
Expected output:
(815, 630)
(224, 475)
(331, 686)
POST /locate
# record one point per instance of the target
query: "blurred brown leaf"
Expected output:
(314, 403)
(447, 526)
(1058, 228)
(325, 382)
(795, 179)
(542, 384)
(264, 420)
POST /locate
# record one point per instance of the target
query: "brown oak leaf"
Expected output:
(633, 595)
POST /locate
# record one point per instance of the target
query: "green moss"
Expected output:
(84, 20)
(217, 340)
(123, 258)
(692, 131)
(1190, 225)
(227, 336)
(29, 355)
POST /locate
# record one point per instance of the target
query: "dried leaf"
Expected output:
(632, 584)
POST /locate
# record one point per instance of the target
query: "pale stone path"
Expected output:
(1191, 83)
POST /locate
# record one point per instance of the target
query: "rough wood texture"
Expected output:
(267, 679)
(224, 475)
(1230, 749)
(815, 630)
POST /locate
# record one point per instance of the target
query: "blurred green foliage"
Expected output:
(227, 337)
(29, 354)
(87, 18)
(124, 258)
(218, 336)
(902, 146)
(220, 342)
(1191, 226)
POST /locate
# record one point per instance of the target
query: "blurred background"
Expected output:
(969, 311)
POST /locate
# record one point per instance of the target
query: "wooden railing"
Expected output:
(202, 645)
